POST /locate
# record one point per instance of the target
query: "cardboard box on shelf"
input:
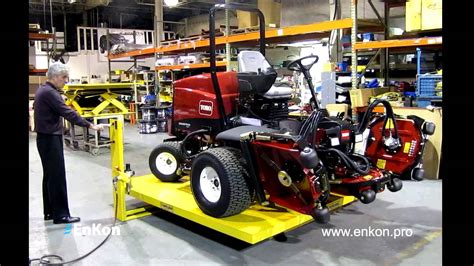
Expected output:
(124, 77)
(423, 15)
(360, 97)
(413, 15)
(32, 88)
(37, 79)
(432, 153)
(431, 14)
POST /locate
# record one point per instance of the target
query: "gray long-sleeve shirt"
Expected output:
(49, 106)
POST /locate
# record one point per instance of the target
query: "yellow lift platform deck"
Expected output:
(252, 225)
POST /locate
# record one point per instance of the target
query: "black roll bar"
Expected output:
(212, 48)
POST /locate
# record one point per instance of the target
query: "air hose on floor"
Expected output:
(44, 260)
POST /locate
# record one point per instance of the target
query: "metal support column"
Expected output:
(386, 65)
(135, 75)
(353, 41)
(158, 27)
(155, 40)
(227, 33)
(65, 28)
(108, 53)
(335, 49)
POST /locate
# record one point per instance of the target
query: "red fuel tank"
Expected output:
(195, 105)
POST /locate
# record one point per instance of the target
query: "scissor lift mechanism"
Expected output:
(110, 107)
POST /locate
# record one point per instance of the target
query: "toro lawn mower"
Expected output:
(234, 138)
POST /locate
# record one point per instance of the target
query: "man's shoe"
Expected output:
(67, 220)
(48, 217)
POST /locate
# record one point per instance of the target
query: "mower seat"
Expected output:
(278, 91)
(233, 134)
(257, 75)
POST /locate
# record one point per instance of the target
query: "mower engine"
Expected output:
(336, 133)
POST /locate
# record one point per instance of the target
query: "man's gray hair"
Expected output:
(57, 69)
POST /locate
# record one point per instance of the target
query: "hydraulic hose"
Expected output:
(349, 162)
(310, 125)
(389, 115)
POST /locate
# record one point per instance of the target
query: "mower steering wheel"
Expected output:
(297, 65)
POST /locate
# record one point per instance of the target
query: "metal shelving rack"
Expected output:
(383, 44)
(134, 61)
(33, 36)
(287, 34)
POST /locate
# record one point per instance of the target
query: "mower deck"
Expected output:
(253, 225)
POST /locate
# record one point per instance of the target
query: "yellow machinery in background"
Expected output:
(252, 225)
(108, 92)
(106, 105)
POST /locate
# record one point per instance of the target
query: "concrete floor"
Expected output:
(166, 239)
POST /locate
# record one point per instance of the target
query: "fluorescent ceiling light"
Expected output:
(171, 3)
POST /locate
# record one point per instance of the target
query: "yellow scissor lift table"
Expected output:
(109, 107)
(72, 92)
(252, 225)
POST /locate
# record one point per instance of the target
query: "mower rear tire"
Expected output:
(165, 160)
(218, 183)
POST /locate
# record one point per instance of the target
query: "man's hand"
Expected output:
(98, 127)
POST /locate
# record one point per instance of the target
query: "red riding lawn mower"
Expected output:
(235, 140)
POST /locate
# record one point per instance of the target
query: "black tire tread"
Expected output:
(244, 168)
(239, 191)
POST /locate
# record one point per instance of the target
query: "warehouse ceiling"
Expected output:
(115, 13)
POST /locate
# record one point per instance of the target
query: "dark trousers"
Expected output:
(50, 148)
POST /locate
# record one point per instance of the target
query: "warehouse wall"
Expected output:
(397, 23)
(276, 56)
(195, 24)
(298, 12)
(86, 64)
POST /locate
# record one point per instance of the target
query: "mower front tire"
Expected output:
(395, 185)
(165, 161)
(367, 196)
(218, 183)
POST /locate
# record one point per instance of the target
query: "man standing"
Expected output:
(49, 107)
